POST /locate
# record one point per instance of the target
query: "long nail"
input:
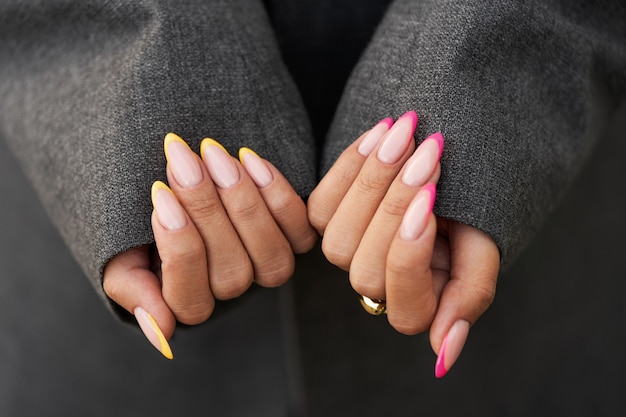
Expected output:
(169, 212)
(256, 168)
(183, 162)
(421, 166)
(153, 332)
(416, 217)
(397, 140)
(451, 347)
(219, 163)
(369, 142)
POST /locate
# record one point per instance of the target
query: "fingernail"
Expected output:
(451, 347)
(369, 142)
(182, 160)
(421, 166)
(416, 217)
(398, 138)
(256, 168)
(170, 213)
(221, 166)
(153, 333)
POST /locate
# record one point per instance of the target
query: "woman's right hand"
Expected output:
(220, 226)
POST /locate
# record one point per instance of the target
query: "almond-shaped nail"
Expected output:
(183, 162)
(153, 332)
(169, 212)
(220, 164)
(397, 140)
(416, 217)
(369, 142)
(451, 347)
(256, 167)
(421, 165)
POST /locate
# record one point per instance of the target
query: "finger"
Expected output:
(475, 262)
(367, 270)
(284, 204)
(325, 198)
(230, 271)
(269, 251)
(411, 298)
(128, 281)
(185, 283)
(347, 226)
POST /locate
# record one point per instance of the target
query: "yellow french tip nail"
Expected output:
(210, 142)
(153, 332)
(156, 186)
(169, 138)
(243, 151)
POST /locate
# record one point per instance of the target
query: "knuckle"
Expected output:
(337, 254)
(193, 314)
(484, 296)
(203, 209)
(276, 272)
(408, 325)
(367, 183)
(245, 210)
(233, 282)
(394, 206)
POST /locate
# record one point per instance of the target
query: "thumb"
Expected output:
(129, 282)
(474, 266)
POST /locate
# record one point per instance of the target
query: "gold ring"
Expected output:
(373, 306)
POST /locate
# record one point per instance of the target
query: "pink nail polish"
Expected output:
(169, 212)
(451, 347)
(369, 142)
(182, 160)
(421, 166)
(398, 138)
(256, 168)
(416, 217)
(221, 166)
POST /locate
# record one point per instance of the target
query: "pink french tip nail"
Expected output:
(437, 136)
(422, 164)
(451, 347)
(397, 140)
(416, 217)
(369, 142)
(412, 116)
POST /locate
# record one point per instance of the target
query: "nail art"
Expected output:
(369, 142)
(416, 217)
(256, 168)
(182, 160)
(451, 347)
(220, 164)
(169, 212)
(153, 332)
(421, 166)
(397, 140)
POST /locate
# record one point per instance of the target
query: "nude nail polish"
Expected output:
(451, 347)
(153, 332)
(416, 217)
(421, 166)
(221, 166)
(369, 142)
(397, 140)
(169, 212)
(256, 168)
(183, 163)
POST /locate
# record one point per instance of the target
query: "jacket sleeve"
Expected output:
(88, 89)
(522, 90)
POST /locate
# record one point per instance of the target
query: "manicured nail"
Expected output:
(451, 347)
(170, 213)
(421, 166)
(256, 168)
(416, 217)
(153, 333)
(183, 162)
(220, 164)
(369, 142)
(397, 140)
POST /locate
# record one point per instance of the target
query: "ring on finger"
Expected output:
(373, 306)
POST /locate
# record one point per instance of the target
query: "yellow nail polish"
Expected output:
(210, 142)
(156, 186)
(172, 137)
(243, 151)
(153, 332)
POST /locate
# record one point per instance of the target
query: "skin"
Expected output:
(448, 273)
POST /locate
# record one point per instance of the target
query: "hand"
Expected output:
(219, 228)
(374, 210)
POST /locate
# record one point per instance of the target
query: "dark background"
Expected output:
(552, 343)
